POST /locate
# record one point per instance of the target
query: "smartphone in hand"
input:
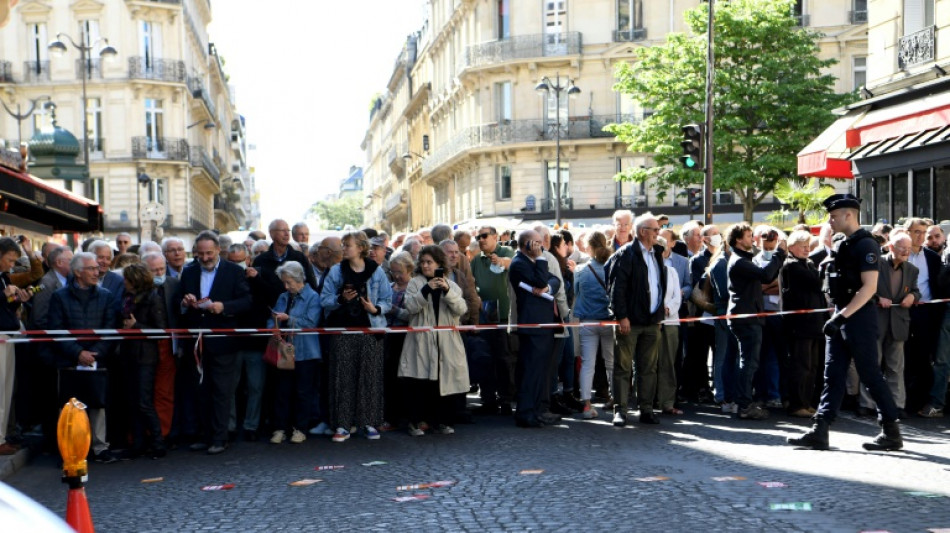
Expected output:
(440, 272)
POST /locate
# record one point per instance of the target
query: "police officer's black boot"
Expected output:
(816, 438)
(888, 440)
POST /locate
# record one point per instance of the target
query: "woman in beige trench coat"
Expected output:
(433, 367)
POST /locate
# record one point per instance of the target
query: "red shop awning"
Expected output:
(826, 156)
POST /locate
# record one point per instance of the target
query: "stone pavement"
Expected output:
(589, 480)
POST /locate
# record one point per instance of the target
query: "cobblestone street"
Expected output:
(699, 471)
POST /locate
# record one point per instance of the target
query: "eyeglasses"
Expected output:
(654, 230)
(484, 236)
(90, 268)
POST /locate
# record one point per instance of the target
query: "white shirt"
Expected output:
(674, 295)
(653, 273)
(63, 281)
(919, 260)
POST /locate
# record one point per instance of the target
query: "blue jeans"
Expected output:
(251, 362)
(858, 341)
(938, 393)
(749, 336)
(724, 363)
(772, 354)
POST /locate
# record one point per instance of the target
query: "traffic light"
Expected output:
(694, 197)
(692, 143)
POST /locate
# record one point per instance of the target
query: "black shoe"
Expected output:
(558, 407)
(105, 457)
(250, 435)
(816, 438)
(888, 440)
(549, 419)
(158, 451)
(649, 417)
(198, 446)
(573, 403)
(473, 389)
(217, 448)
(528, 423)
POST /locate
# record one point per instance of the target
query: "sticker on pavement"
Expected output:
(729, 478)
(531, 472)
(153, 480)
(226, 486)
(430, 485)
(652, 478)
(413, 498)
(773, 484)
(305, 482)
(329, 467)
(796, 506)
(922, 494)
(375, 463)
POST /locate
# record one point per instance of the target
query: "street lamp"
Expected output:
(107, 52)
(544, 88)
(20, 117)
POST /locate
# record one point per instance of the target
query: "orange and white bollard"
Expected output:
(73, 435)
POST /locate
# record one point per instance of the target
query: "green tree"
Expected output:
(770, 99)
(805, 196)
(337, 214)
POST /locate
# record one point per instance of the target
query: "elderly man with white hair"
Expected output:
(623, 228)
(174, 250)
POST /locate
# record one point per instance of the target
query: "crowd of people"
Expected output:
(628, 313)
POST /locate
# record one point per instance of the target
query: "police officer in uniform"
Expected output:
(851, 282)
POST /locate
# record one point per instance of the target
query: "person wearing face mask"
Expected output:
(774, 350)
(168, 349)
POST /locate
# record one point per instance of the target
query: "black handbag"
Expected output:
(90, 387)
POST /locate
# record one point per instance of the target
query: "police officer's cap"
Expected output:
(840, 201)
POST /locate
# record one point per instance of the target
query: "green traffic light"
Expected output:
(689, 162)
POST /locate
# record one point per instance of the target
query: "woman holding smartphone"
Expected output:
(433, 364)
(357, 294)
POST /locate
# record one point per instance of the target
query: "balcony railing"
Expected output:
(35, 71)
(635, 34)
(395, 200)
(547, 204)
(201, 159)
(221, 203)
(197, 87)
(142, 68)
(521, 131)
(6, 72)
(521, 47)
(160, 148)
(96, 146)
(858, 17)
(802, 21)
(92, 69)
(916, 48)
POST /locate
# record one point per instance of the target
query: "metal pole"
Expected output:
(557, 148)
(85, 112)
(138, 204)
(710, 80)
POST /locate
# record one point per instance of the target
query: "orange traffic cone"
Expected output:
(77, 511)
(74, 435)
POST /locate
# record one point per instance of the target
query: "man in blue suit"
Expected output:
(535, 345)
(215, 294)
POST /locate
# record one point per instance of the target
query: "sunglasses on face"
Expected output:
(483, 236)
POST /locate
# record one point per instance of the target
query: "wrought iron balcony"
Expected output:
(92, 68)
(547, 204)
(35, 71)
(96, 146)
(916, 48)
(6, 72)
(201, 159)
(521, 47)
(521, 131)
(858, 17)
(198, 92)
(166, 148)
(632, 35)
(142, 68)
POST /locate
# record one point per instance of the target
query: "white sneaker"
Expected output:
(298, 437)
(443, 429)
(730, 408)
(278, 437)
(321, 429)
(414, 431)
(372, 433)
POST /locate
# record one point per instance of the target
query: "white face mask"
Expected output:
(767, 254)
(715, 241)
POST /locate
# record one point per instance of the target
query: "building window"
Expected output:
(552, 190)
(629, 15)
(94, 118)
(866, 193)
(941, 193)
(798, 12)
(555, 24)
(859, 72)
(882, 199)
(157, 192)
(504, 20)
(154, 128)
(97, 191)
(90, 30)
(859, 12)
(150, 45)
(503, 180)
(918, 14)
(922, 193)
(42, 119)
(900, 186)
(552, 117)
(38, 52)
(722, 197)
(503, 102)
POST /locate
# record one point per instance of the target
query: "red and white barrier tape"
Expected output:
(71, 335)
